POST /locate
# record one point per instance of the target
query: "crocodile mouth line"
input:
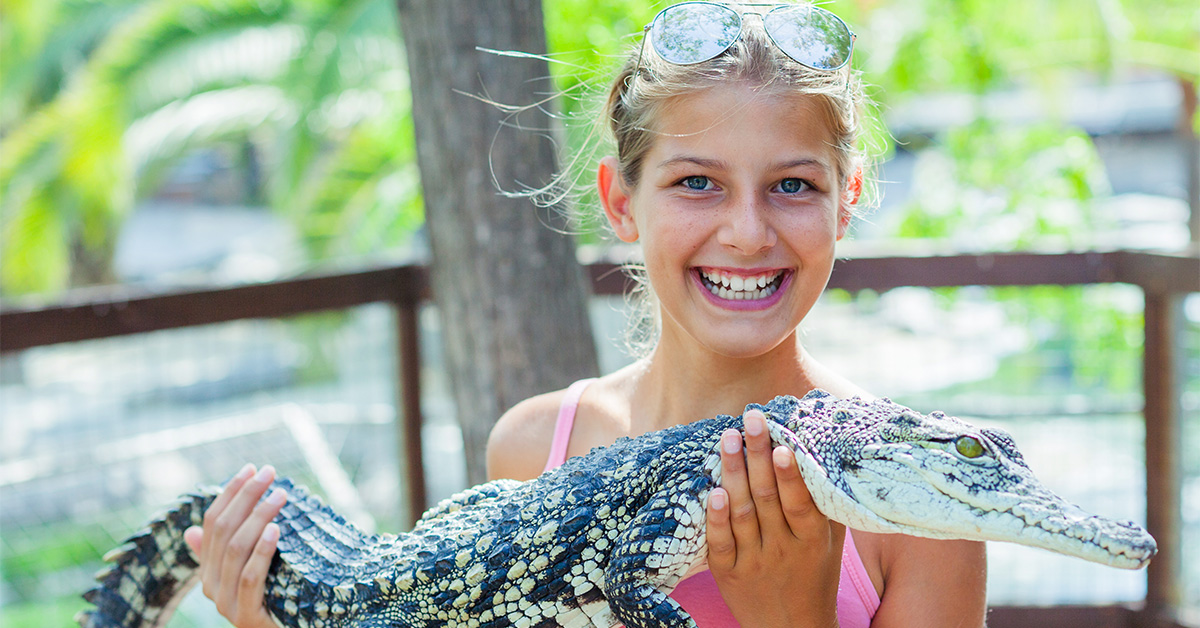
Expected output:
(1064, 533)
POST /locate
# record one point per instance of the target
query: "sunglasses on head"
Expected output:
(694, 32)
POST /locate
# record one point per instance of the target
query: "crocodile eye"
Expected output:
(969, 446)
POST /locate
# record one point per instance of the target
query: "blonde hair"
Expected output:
(638, 96)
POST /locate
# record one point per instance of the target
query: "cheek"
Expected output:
(813, 230)
(674, 235)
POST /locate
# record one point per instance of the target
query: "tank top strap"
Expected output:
(565, 422)
(855, 571)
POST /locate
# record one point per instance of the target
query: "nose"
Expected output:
(746, 226)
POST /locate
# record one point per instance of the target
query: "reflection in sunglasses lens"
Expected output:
(810, 36)
(691, 33)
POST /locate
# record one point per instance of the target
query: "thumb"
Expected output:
(194, 537)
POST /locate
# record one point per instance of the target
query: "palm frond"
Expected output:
(202, 119)
(255, 55)
(365, 196)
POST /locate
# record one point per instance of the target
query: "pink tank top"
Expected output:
(698, 594)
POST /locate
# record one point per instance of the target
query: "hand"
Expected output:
(774, 556)
(236, 545)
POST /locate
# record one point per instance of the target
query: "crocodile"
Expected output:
(602, 539)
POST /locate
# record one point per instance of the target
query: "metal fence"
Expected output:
(270, 373)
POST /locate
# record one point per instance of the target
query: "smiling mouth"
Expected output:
(741, 288)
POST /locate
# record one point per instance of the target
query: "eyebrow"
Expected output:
(717, 164)
(803, 162)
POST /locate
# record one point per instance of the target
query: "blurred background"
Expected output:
(183, 144)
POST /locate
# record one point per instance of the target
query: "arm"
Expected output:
(764, 528)
(519, 443)
(236, 545)
(932, 583)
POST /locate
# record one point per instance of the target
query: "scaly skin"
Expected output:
(602, 539)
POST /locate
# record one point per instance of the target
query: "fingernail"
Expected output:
(264, 474)
(271, 533)
(732, 442)
(754, 425)
(718, 501)
(782, 456)
(247, 469)
(277, 497)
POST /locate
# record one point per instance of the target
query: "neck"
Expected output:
(708, 384)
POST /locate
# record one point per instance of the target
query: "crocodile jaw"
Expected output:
(1026, 513)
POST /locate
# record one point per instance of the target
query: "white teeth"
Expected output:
(738, 288)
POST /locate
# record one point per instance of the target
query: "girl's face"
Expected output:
(738, 208)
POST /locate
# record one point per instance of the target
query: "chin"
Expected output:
(748, 344)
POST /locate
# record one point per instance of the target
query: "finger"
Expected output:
(253, 579)
(221, 530)
(230, 489)
(210, 557)
(722, 549)
(742, 516)
(194, 537)
(796, 502)
(761, 472)
(240, 549)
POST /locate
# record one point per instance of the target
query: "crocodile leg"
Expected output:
(652, 556)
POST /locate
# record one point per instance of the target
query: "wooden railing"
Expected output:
(1164, 279)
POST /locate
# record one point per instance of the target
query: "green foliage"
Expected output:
(34, 556)
(1095, 332)
(915, 46)
(996, 186)
(589, 39)
(58, 611)
(370, 194)
(298, 79)
(53, 548)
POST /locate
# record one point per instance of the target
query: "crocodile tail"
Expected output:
(150, 573)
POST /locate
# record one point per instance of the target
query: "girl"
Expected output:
(736, 172)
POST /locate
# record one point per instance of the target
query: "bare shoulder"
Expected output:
(833, 383)
(940, 581)
(520, 441)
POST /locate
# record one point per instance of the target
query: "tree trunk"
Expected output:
(511, 294)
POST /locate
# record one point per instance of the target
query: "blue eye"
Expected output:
(793, 186)
(696, 182)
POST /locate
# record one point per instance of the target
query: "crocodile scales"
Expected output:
(601, 540)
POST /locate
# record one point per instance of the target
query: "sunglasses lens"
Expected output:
(812, 36)
(694, 31)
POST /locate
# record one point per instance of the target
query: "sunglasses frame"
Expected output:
(741, 29)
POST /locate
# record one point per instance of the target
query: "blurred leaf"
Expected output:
(164, 78)
(1024, 183)
(367, 194)
(35, 252)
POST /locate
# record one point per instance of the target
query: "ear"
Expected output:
(850, 198)
(615, 199)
